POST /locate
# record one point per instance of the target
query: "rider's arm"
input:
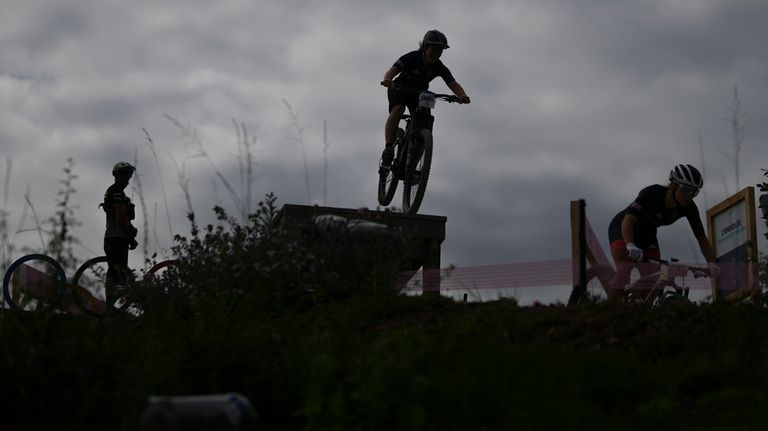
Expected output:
(121, 215)
(706, 248)
(709, 253)
(459, 91)
(628, 228)
(694, 220)
(390, 74)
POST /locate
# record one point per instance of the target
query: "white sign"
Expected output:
(730, 229)
(732, 232)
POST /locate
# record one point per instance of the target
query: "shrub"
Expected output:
(230, 269)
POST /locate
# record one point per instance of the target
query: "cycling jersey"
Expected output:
(414, 72)
(116, 195)
(650, 209)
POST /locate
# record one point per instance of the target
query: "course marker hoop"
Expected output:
(16, 286)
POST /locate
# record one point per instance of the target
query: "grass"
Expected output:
(400, 363)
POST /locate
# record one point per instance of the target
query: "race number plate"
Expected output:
(426, 99)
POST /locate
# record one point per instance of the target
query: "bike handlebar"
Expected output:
(450, 98)
(698, 272)
(659, 261)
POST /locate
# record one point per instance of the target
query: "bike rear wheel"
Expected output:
(417, 172)
(387, 177)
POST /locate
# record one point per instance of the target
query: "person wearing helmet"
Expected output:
(120, 234)
(415, 69)
(632, 232)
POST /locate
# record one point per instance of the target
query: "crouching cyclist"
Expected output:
(632, 232)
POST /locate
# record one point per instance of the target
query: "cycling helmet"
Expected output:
(434, 37)
(122, 167)
(686, 175)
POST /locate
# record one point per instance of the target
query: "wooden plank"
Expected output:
(597, 258)
(576, 241)
(424, 234)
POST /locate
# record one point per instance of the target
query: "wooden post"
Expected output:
(431, 274)
(586, 248)
(578, 251)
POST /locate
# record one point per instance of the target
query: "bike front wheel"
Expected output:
(388, 177)
(417, 172)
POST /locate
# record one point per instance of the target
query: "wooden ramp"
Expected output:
(424, 235)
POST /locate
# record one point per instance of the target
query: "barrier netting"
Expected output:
(560, 273)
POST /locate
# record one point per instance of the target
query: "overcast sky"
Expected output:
(591, 99)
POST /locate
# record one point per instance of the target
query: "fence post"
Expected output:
(578, 250)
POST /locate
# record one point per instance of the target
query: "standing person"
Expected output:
(632, 232)
(415, 69)
(120, 234)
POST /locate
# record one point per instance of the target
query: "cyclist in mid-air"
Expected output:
(120, 235)
(415, 69)
(632, 232)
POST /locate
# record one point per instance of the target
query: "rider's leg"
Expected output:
(116, 250)
(648, 268)
(390, 132)
(390, 129)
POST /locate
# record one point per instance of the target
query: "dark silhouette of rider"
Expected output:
(120, 234)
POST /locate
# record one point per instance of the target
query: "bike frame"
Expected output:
(416, 121)
(664, 278)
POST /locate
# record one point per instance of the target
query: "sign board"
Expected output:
(732, 230)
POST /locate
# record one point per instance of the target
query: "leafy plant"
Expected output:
(61, 239)
(6, 246)
(763, 187)
(763, 261)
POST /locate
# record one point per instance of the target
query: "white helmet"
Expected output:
(122, 167)
(686, 175)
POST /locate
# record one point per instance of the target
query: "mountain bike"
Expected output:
(654, 288)
(664, 287)
(413, 152)
(36, 282)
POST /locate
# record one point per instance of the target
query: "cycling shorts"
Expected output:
(403, 99)
(646, 241)
(650, 251)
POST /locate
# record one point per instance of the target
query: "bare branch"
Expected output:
(151, 145)
(298, 129)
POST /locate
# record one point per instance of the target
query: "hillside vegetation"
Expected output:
(315, 336)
